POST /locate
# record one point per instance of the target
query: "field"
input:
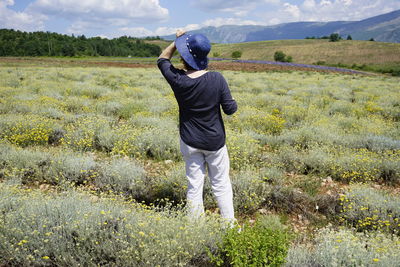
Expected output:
(360, 55)
(91, 171)
(311, 51)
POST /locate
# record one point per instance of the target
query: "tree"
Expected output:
(372, 40)
(18, 43)
(68, 50)
(349, 37)
(279, 56)
(236, 54)
(334, 37)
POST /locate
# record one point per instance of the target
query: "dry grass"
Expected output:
(311, 51)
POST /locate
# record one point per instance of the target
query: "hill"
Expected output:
(18, 43)
(312, 51)
(361, 55)
(384, 28)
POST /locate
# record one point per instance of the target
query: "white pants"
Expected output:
(217, 163)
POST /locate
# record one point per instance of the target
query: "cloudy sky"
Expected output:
(113, 18)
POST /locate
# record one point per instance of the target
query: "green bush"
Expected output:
(124, 176)
(75, 228)
(216, 54)
(249, 191)
(26, 130)
(236, 54)
(345, 247)
(281, 57)
(370, 209)
(264, 244)
(334, 37)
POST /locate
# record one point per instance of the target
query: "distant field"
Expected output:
(362, 55)
(312, 51)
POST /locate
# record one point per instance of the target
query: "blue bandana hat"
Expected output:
(194, 49)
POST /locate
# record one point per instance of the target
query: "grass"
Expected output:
(85, 135)
(363, 55)
(76, 228)
(310, 51)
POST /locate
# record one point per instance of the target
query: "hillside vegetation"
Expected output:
(18, 43)
(383, 28)
(80, 147)
(365, 55)
(312, 51)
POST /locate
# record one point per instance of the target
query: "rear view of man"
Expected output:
(200, 95)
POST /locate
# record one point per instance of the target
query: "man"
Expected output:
(200, 94)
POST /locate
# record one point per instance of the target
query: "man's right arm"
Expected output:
(228, 104)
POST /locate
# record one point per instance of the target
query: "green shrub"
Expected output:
(26, 130)
(345, 247)
(258, 121)
(24, 166)
(243, 150)
(82, 133)
(74, 168)
(264, 244)
(249, 191)
(74, 228)
(173, 186)
(236, 54)
(216, 54)
(334, 37)
(289, 200)
(370, 209)
(281, 57)
(124, 176)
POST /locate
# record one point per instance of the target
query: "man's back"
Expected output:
(199, 100)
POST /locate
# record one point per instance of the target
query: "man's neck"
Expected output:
(195, 73)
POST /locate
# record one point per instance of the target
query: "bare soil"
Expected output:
(217, 66)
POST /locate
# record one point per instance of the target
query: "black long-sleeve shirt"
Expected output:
(199, 99)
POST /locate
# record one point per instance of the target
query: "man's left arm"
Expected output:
(170, 50)
(164, 62)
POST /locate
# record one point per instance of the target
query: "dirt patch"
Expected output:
(217, 66)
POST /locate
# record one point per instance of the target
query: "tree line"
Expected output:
(19, 43)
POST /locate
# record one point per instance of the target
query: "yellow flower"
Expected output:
(375, 260)
(45, 257)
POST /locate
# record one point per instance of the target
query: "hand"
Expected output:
(179, 33)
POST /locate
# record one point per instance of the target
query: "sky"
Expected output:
(114, 18)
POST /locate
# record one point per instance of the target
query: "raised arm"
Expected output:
(170, 50)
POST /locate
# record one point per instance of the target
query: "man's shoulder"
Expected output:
(161, 61)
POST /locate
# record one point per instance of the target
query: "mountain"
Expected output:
(384, 28)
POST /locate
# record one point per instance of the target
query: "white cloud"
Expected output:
(136, 31)
(229, 21)
(329, 10)
(292, 10)
(161, 31)
(309, 4)
(95, 14)
(236, 7)
(136, 10)
(25, 21)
